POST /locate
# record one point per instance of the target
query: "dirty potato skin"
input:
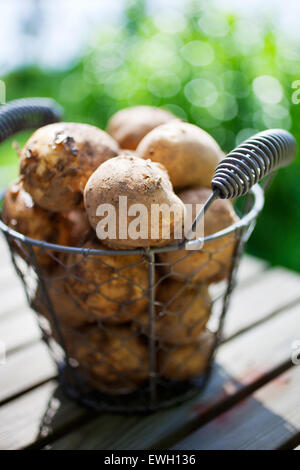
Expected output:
(66, 310)
(113, 288)
(189, 154)
(213, 262)
(142, 182)
(181, 314)
(114, 360)
(130, 125)
(23, 215)
(186, 362)
(58, 159)
(80, 226)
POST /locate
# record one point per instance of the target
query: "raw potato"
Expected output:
(189, 154)
(23, 215)
(80, 226)
(113, 360)
(130, 125)
(66, 310)
(58, 159)
(213, 262)
(142, 182)
(112, 288)
(185, 362)
(182, 312)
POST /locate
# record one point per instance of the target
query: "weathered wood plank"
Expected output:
(12, 293)
(241, 363)
(7, 275)
(277, 289)
(4, 251)
(7, 272)
(19, 330)
(249, 268)
(18, 326)
(264, 421)
(12, 299)
(25, 369)
(36, 415)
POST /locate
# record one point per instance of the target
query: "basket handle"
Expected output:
(247, 164)
(251, 161)
(27, 113)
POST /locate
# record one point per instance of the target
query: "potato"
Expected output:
(181, 314)
(130, 125)
(113, 360)
(59, 158)
(112, 288)
(185, 362)
(80, 226)
(213, 262)
(23, 215)
(66, 310)
(141, 182)
(189, 154)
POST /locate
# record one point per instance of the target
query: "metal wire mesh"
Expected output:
(132, 330)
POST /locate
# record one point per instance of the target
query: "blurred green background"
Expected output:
(230, 76)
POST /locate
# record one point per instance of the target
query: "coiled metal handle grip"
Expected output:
(27, 113)
(251, 161)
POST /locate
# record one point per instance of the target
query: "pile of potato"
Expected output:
(66, 171)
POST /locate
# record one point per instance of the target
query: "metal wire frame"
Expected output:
(158, 392)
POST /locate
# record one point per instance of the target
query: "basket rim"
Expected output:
(258, 202)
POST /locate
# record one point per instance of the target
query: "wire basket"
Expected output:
(137, 330)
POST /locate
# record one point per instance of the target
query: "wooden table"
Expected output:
(251, 402)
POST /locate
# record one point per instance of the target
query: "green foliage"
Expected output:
(230, 77)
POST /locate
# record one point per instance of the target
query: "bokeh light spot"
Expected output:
(225, 108)
(158, 52)
(267, 89)
(276, 110)
(277, 121)
(110, 57)
(213, 24)
(201, 92)
(170, 22)
(247, 34)
(198, 53)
